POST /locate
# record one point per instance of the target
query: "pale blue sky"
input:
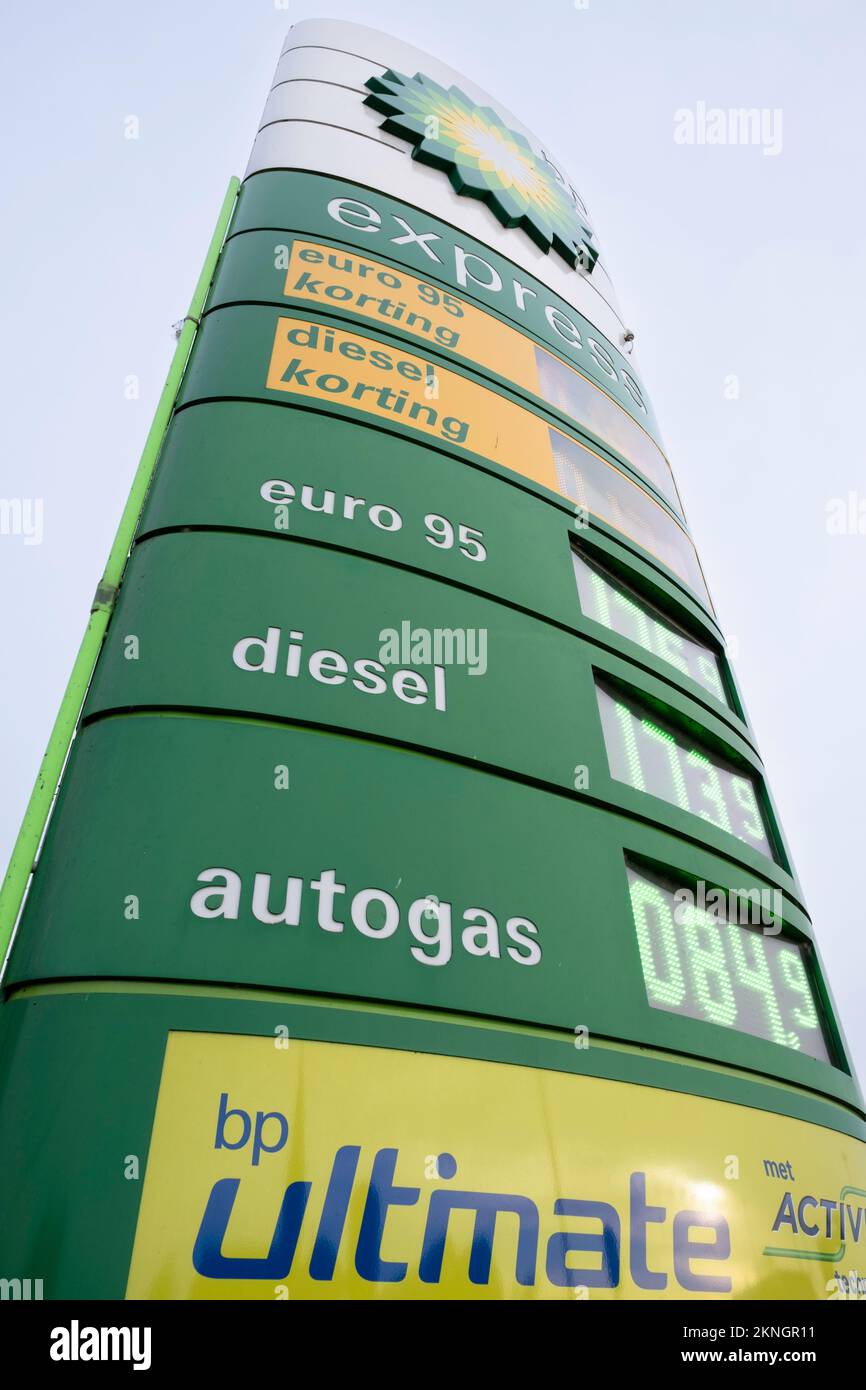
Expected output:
(727, 262)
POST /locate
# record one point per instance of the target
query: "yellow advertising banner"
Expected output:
(313, 361)
(345, 280)
(329, 278)
(283, 1169)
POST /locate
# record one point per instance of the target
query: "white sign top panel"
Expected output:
(354, 103)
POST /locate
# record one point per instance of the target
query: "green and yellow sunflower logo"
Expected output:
(483, 159)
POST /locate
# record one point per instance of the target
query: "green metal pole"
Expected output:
(41, 800)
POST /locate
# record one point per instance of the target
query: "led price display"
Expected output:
(702, 964)
(592, 484)
(618, 607)
(571, 393)
(652, 757)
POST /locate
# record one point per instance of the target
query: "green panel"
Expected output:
(295, 201)
(220, 621)
(207, 621)
(219, 456)
(420, 830)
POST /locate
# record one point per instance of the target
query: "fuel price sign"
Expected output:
(609, 601)
(654, 757)
(699, 963)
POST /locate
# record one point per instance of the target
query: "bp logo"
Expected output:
(484, 159)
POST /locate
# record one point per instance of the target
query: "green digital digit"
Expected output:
(794, 974)
(647, 899)
(709, 669)
(756, 976)
(711, 789)
(672, 750)
(753, 824)
(707, 963)
(626, 724)
(670, 647)
(638, 615)
(600, 592)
